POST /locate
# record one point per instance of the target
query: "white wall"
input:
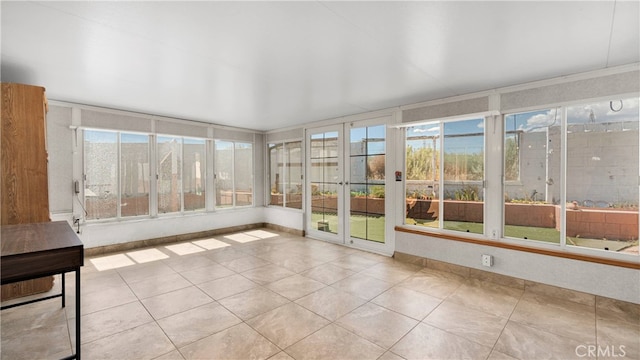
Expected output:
(109, 233)
(604, 280)
(293, 219)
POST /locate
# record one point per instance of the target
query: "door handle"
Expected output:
(340, 183)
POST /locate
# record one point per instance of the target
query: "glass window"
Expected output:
(602, 176)
(169, 174)
(532, 175)
(101, 174)
(276, 174)
(234, 173)
(464, 175)
(194, 174)
(423, 175)
(293, 184)
(224, 173)
(285, 174)
(134, 174)
(243, 174)
(461, 186)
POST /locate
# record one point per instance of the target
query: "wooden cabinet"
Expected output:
(24, 190)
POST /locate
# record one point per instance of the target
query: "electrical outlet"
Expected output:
(487, 260)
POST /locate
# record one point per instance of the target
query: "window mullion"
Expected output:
(285, 173)
(441, 177)
(233, 174)
(119, 176)
(153, 176)
(563, 176)
(181, 175)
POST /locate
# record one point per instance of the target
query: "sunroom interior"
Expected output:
(494, 141)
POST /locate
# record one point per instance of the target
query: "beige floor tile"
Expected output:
(110, 321)
(147, 255)
(392, 272)
(198, 323)
(277, 254)
(381, 326)
(281, 356)
(327, 273)
(407, 302)
(427, 342)
(174, 302)
(140, 272)
(110, 261)
(287, 324)
(227, 286)
(225, 254)
(561, 317)
(253, 302)
(38, 342)
(363, 286)
(354, 263)
(143, 342)
(432, 282)
(491, 298)
(466, 322)
(173, 355)
(619, 335)
(295, 287)
(524, 342)
(94, 281)
(267, 274)
(390, 356)
(324, 255)
(186, 263)
(231, 344)
(330, 303)
(102, 299)
(26, 317)
(207, 273)
(617, 310)
(158, 285)
(565, 294)
(297, 264)
(334, 342)
(497, 355)
(244, 263)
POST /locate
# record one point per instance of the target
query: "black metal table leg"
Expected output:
(78, 331)
(63, 288)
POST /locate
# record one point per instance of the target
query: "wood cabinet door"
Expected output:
(25, 189)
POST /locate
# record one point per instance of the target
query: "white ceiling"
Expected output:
(269, 65)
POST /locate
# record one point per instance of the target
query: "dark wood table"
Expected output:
(30, 251)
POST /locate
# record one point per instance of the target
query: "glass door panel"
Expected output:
(325, 184)
(367, 148)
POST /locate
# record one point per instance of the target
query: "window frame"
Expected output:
(282, 144)
(441, 175)
(233, 205)
(563, 246)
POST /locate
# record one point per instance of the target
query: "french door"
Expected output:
(348, 194)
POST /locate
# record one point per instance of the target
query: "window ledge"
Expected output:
(556, 253)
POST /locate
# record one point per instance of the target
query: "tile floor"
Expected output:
(264, 294)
